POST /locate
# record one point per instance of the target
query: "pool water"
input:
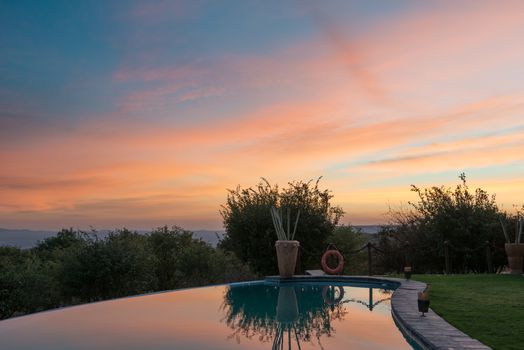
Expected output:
(257, 315)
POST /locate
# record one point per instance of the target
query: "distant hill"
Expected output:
(369, 229)
(23, 238)
(211, 237)
(29, 238)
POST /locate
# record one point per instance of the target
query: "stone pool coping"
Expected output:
(431, 332)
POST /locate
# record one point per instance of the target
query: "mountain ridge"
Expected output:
(26, 239)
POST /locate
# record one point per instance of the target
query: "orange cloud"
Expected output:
(280, 143)
(411, 97)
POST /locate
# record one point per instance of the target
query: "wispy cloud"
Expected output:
(25, 183)
(427, 92)
(349, 54)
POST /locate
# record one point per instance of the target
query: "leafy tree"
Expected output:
(183, 261)
(228, 268)
(64, 239)
(195, 266)
(168, 245)
(26, 284)
(249, 229)
(120, 265)
(76, 267)
(347, 240)
(11, 285)
(465, 219)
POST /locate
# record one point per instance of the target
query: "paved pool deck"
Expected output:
(430, 332)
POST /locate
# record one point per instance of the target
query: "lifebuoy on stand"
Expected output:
(332, 252)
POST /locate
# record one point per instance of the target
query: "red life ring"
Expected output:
(336, 254)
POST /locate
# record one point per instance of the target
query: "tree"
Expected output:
(117, 266)
(26, 283)
(249, 229)
(183, 261)
(465, 219)
(76, 267)
(64, 239)
(347, 240)
(167, 245)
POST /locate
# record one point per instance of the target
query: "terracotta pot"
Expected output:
(515, 252)
(287, 252)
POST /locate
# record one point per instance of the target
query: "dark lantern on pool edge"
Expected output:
(423, 300)
(423, 306)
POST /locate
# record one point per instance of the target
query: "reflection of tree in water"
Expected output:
(289, 314)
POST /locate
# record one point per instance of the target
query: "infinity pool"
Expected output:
(256, 315)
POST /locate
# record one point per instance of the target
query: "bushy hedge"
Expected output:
(250, 233)
(463, 219)
(76, 267)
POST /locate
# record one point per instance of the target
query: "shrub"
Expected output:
(75, 267)
(250, 233)
(120, 265)
(347, 240)
(167, 246)
(465, 219)
(26, 283)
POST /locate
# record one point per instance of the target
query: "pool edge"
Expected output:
(430, 332)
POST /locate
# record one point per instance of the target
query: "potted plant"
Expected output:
(286, 246)
(514, 250)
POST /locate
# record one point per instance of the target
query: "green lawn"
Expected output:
(489, 308)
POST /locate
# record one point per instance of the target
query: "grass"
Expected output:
(489, 308)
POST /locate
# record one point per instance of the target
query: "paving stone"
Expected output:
(315, 273)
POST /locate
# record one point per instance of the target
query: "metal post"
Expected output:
(446, 257)
(488, 258)
(407, 254)
(370, 299)
(370, 271)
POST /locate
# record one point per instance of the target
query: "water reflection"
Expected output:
(288, 315)
(258, 316)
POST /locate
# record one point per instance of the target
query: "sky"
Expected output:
(142, 114)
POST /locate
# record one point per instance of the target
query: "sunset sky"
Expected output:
(141, 114)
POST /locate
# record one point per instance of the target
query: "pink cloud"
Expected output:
(402, 99)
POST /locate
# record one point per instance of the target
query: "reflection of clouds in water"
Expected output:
(204, 318)
(300, 313)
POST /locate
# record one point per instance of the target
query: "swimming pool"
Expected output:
(254, 315)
